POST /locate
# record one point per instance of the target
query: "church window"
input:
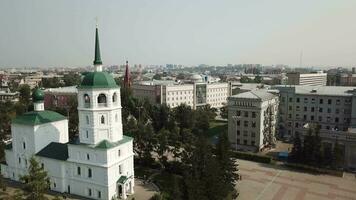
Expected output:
(87, 119)
(102, 120)
(119, 152)
(19, 160)
(101, 98)
(42, 165)
(87, 134)
(89, 173)
(99, 194)
(114, 97)
(54, 185)
(88, 156)
(86, 100)
(26, 162)
(89, 192)
(78, 170)
(24, 145)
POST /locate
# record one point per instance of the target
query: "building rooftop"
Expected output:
(38, 117)
(318, 90)
(105, 144)
(55, 150)
(256, 94)
(69, 89)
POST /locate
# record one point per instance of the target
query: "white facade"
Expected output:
(193, 94)
(313, 79)
(252, 119)
(333, 108)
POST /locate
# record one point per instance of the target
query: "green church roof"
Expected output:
(37, 95)
(38, 117)
(98, 80)
(105, 145)
(55, 150)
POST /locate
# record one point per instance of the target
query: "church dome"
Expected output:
(98, 80)
(37, 95)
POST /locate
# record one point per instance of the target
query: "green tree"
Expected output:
(25, 94)
(161, 146)
(297, 149)
(184, 116)
(258, 79)
(245, 79)
(338, 155)
(224, 112)
(227, 164)
(71, 79)
(36, 182)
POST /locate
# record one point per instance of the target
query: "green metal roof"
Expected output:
(107, 145)
(104, 144)
(97, 58)
(98, 80)
(55, 150)
(37, 95)
(122, 179)
(38, 117)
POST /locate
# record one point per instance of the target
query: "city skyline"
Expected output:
(188, 33)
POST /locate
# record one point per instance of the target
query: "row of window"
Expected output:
(102, 100)
(320, 118)
(253, 124)
(328, 110)
(327, 127)
(245, 133)
(321, 101)
(246, 113)
(245, 142)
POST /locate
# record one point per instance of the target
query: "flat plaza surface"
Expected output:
(269, 182)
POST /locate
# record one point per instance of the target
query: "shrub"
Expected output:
(252, 157)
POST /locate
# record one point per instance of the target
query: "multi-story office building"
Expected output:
(315, 79)
(252, 120)
(195, 93)
(332, 108)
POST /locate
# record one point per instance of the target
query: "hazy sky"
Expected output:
(217, 32)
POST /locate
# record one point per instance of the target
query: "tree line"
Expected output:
(313, 152)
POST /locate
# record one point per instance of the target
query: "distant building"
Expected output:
(314, 79)
(59, 97)
(333, 108)
(252, 120)
(194, 93)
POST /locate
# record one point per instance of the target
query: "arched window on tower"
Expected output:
(102, 100)
(102, 120)
(87, 119)
(86, 101)
(114, 98)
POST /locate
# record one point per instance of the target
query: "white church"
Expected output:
(99, 164)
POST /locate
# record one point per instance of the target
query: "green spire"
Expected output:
(97, 59)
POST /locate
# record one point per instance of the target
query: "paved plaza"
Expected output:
(268, 182)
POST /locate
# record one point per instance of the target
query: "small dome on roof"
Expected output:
(37, 95)
(196, 78)
(98, 80)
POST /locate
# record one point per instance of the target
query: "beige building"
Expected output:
(314, 79)
(252, 120)
(332, 107)
(173, 93)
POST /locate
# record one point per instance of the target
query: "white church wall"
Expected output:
(50, 132)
